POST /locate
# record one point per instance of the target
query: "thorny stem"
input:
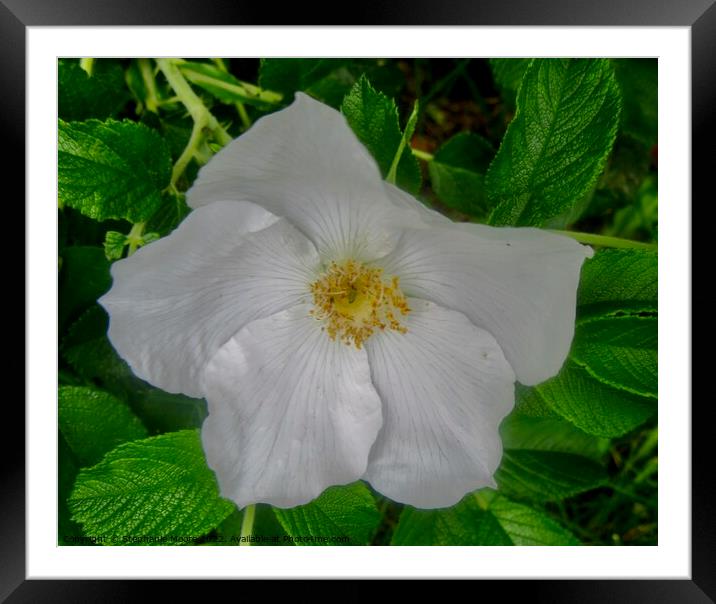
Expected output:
(198, 111)
(247, 524)
(204, 122)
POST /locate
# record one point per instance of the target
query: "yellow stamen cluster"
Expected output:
(354, 301)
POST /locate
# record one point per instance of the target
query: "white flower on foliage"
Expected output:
(338, 329)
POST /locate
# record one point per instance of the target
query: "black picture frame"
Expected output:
(699, 15)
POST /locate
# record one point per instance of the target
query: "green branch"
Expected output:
(198, 111)
(424, 155)
(151, 101)
(247, 524)
(407, 135)
(604, 240)
(204, 122)
(240, 109)
(134, 238)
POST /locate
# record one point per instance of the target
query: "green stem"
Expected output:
(172, 100)
(243, 115)
(650, 443)
(197, 135)
(651, 468)
(145, 68)
(198, 111)
(605, 240)
(135, 237)
(240, 109)
(629, 495)
(87, 63)
(481, 500)
(219, 62)
(247, 524)
(424, 155)
(407, 135)
(242, 89)
(204, 121)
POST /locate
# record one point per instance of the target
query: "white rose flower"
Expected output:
(338, 329)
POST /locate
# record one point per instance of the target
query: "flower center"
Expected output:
(354, 300)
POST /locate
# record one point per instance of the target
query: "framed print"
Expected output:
(392, 288)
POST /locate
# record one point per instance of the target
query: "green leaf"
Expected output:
(339, 513)
(593, 406)
(332, 88)
(74, 229)
(226, 87)
(289, 75)
(640, 218)
(328, 80)
(548, 458)
(527, 526)
(68, 531)
(165, 412)
(171, 212)
(626, 169)
(94, 422)
(556, 146)
(620, 351)
(528, 403)
(112, 169)
(81, 96)
(385, 77)
(457, 173)
(549, 434)
(618, 280)
(114, 243)
(547, 475)
(374, 119)
(638, 81)
(153, 491)
(83, 278)
(89, 352)
(175, 127)
(508, 74)
(480, 519)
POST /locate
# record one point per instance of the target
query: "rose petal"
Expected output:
(305, 163)
(177, 300)
(291, 412)
(445, 387)
(518, 284)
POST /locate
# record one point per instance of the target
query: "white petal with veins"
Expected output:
(518, 284)
(305, 163)
(445, 387)
(176, 301)
(290, 412)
